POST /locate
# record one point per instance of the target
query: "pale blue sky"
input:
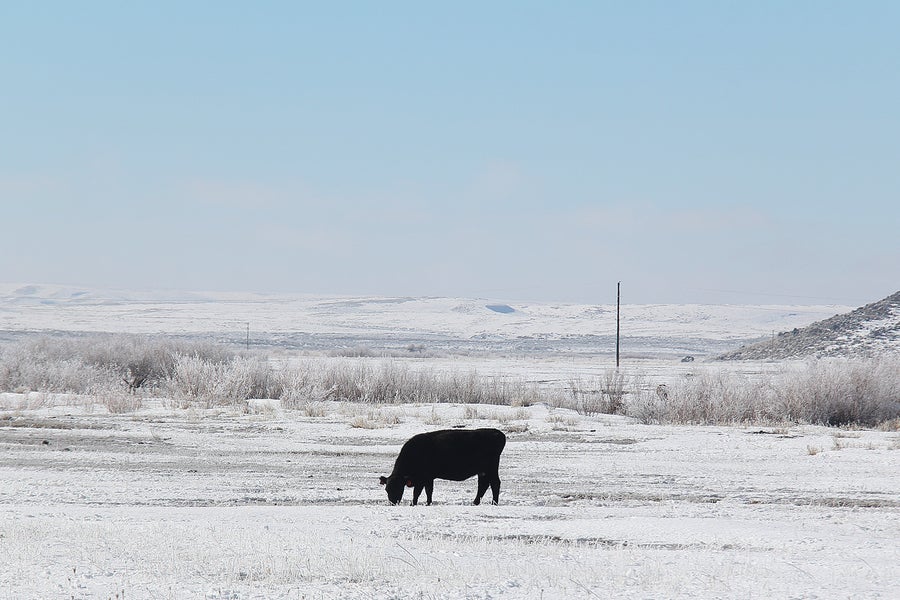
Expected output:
(696, 151)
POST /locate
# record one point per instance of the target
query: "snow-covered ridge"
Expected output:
(61, 308)
(870, 330)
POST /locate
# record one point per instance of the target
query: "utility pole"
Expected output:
(248, 336)
(618, 304)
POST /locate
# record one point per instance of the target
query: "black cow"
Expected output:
(454, 454)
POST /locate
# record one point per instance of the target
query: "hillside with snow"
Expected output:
(447, 324)
(868, 331)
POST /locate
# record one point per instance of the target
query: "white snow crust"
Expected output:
(167, 503)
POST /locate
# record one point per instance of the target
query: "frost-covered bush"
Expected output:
(143, 362)
(391, 382)
(841, 392)
(48, 365)
(119, 402)
(714, 397)
(863, 392)
(604, 395)
(191, 373)
(207, 383)
(91, 363)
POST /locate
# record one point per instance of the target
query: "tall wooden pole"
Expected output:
(618, 304)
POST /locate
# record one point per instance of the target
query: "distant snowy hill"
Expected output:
(868, 331)
(456, 324)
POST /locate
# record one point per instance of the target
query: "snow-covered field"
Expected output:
(459, 325)
(168, 503)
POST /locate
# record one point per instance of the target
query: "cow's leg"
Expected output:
(417, 490)
(483, 483)
(495, 488)
(429, 487)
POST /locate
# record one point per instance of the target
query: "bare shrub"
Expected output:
(391, 382)
(263, 406)
(207, 375)
(604, 395)
(312, 409)
(563, 422)
(121, 403)
(97, 362)
(835, 392)
(361, 422)
(197, 380)
(831, 392)
(28, 401)
(500, 414)
(646, 406)
(354, 352)
(713, 397)
(434, 418)
(48, 365)
(515, 427)
(841, 392)
(375, 419)
(890, 425)
(389, 418)
(303, 383)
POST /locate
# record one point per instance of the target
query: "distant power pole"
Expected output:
(248, 336)
(618, 304)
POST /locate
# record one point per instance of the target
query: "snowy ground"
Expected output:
(173, 503)
(169, 503)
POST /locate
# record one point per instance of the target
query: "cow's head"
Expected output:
(394, 486)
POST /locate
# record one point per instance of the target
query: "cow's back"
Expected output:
(454, 454)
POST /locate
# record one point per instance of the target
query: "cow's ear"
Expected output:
(382, 480)
(409, 483)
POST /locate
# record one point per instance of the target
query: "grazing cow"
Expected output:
(454, 454)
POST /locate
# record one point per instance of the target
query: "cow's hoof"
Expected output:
(476, 501)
